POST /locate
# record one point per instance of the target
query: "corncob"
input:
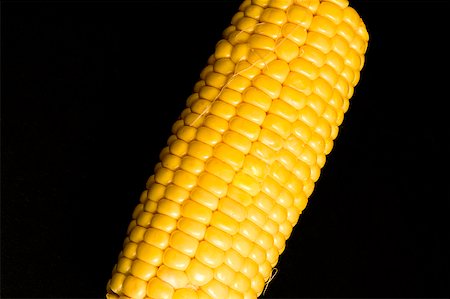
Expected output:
(244, 154)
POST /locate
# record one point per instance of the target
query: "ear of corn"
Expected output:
(244, 154)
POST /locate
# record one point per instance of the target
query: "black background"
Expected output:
(91, 89)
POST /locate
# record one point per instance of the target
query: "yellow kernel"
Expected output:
(258, 41)
(299, 15)
(209, 254)
(192, 227)
(137, 234)
(238, 37)
(277, 69)
(242, 245)
(232, 208)
(278, 125)
(257, 254)
(184, 243)
(163, 222)
(213, 184)
(261, 57)
(247, 70)
(142, 270)
(224, 274)
(158, 289)
(317, 143)
(176, 278)
(304, 67)
(249, 230)
(324, 26)
(265, 240)
(249, 268)
(216, 80)
(308, 156)
(208, 136)
(245, 127)
(265, 269)
(246, 24)
(293, 97)
(156, 237)
(163, 176)
(271, 227)
(240, 283)
(274, 16)
(116, 282)
(175, 259)
(256, 215)
(267, 29)
(238, 83)
(268, 85)
(201, 106)
(271, 187)
(198, 273)
(253, 11)
(263, 202)
(184, 179)
(254, 167)
(129, 250)
(262, 151)
(215, 289)
(216, 123)
(220, 169)
(237, 141)
(299, 82)
(124, 265)
(149, 254)
(190, 164)
(178, 147)
(301, 170)
(169, 208)
(171, 162)
(200, 150)
(233, 259)
(278, 213)
(134, 287)
(284, 110)
(286, 49)
(206, 70)
(196, 211)
(251, 113)
(271, 139)
(218, 238)
(239, 195)
(319, 41)
(224, 66)
(346, 31)
(257, 284)
(246, 183)
(139, 208)
(223, 49)
(204, 198)
(230, 96)
(240, 52)
(176, 193)
(295, 33)
(279, 241)
(313, 55)
(257, 98)
(224, 223)
(330, 11)
(279, 173)
(229, 155)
